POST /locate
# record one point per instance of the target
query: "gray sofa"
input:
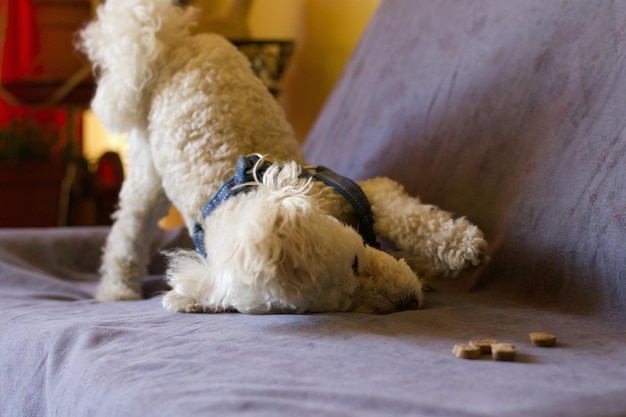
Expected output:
(511, 113)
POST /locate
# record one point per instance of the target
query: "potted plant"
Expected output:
(33, 165)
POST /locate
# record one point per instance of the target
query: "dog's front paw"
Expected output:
(470, 251)
(108, 292)
(475, 248)
(176, 302)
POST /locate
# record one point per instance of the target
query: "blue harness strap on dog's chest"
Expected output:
(248, 171)
(244, 174)
(351, 191)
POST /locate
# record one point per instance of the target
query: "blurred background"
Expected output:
(59, 166)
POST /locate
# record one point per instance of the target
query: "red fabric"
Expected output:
(21, 44)
(19, 58)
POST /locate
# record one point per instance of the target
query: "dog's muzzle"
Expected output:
(249, 171)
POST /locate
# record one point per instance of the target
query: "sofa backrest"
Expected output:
(510, 113)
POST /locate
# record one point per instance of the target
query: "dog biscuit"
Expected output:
(542, 339)
(503, 351)
(483, 344)
(466, 351)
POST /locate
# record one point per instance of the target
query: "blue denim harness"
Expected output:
(249, 170)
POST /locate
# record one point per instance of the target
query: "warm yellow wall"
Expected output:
(98, 141)
(325, 32)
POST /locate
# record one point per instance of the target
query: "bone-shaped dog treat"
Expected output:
(542, 339)
(466, 351)
(503, 351)
(483, 344)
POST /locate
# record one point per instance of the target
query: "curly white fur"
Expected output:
(283, 254)
(192, 105)
(125, 44)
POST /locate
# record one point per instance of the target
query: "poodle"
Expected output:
(272, 234)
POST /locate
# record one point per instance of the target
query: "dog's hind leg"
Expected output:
(128, 248)
(432, 241)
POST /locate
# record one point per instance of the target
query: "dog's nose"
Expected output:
(411, 303)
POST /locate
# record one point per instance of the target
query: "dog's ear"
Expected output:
(291, 215)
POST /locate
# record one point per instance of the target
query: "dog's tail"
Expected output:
(125, 44)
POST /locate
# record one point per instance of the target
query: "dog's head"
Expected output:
(273, 249)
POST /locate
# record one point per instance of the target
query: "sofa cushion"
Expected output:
(511, 113)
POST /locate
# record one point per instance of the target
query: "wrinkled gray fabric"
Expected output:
(508, 112)
(64, 354)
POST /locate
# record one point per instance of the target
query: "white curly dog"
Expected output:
(277, 240)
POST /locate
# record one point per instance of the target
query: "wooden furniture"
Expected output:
(37, 194)
(61, 76)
